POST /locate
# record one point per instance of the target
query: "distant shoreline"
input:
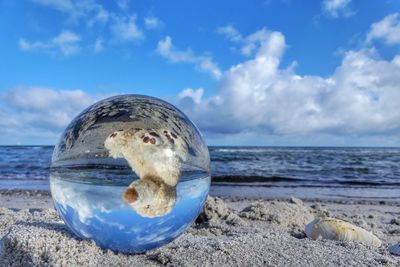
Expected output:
(238, 146)
(46, 194)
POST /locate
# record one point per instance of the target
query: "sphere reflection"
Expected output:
(130, 172)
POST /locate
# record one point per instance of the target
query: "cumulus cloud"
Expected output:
(152, 22)
(126, 29)
(194, 95)
(258, 95)
(337, 8)
(30, 112)
(66, 43)
(166, 49)
(387, 29)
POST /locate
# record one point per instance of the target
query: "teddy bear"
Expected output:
(156, 156)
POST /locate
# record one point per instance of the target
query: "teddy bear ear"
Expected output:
(130, 195)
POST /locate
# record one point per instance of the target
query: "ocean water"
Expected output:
(25, 167)
(269, 172)
(313, 173)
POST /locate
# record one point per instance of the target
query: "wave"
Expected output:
(252, 179)
(284, 180)
(236, 150)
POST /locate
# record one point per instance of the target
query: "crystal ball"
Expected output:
(131, 173)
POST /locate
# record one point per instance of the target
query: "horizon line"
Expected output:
(249, 146)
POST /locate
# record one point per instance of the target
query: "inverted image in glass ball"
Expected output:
(131, 173)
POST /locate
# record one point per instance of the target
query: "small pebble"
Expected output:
(316, 206)
(296, 201)
(382, 260)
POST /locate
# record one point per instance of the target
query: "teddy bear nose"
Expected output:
(130, 195)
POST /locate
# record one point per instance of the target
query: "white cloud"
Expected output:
(360, 97)
(206, 64)
(268, 43)
(152, 22)
(87, 11)
(194, 94)
(98, 45)
(123, 4)
(65, 6)
(125, 28)
(38, 113)
(77, 9)
(387, 29)
(25, 45)
(66, 43)
(230, 32)
(337, 8)
(166, 49)
(249, 43)
(119, 23)
(101, 16)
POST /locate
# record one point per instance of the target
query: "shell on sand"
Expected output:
(395, 249)
(335, 229)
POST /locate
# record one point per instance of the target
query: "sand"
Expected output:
(229, 232)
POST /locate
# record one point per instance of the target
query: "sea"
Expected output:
(254, 172)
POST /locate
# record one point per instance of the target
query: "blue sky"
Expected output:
(275, 72)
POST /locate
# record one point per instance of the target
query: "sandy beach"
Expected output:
(229, 232)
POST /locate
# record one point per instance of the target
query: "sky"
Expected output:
(250, 73)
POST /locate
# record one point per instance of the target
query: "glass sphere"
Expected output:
(131, 173)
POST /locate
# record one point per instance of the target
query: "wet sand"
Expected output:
(229, 232)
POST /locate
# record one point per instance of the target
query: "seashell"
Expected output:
(155, 156)
(335, 229)
(395, 249)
